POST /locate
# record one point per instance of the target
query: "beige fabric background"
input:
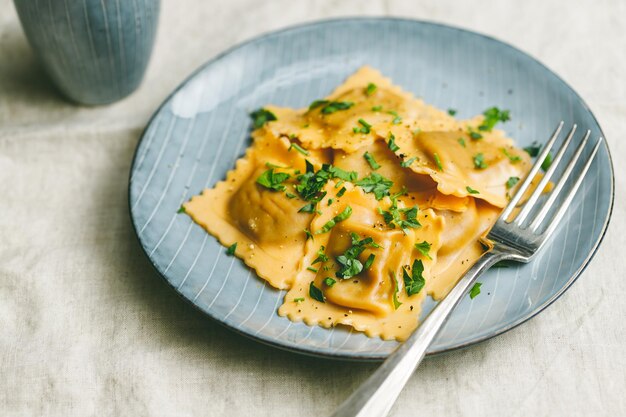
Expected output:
(86, 328)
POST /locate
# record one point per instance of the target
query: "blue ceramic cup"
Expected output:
(95, 51)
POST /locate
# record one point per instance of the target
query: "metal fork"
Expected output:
(515, 236)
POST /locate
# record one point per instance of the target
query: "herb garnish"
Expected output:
(365, 127)
(231, 249)
(338, 218)
(316, 293)
(309, 235)
(396, 117)
(375, 183)
(298, 300)
(513, 158)
(262, 116)
(475, 290)
(545, 165)
(479, 161)
(310, 268)
(438, 162)
(510, 183)
(370, 160)
(329, 282)
(290, 196)
(307, 208)
(403, 218)
(414, 282)
(370, 89)
(391, 143)
(349, 263)
(377, 108)
(423, 248)
(396, 286)
(471, 190)
(321, 255)
(474, 135)
(493, 115)
(341, 192)
(329, 107)
(181, 210)
(273, 180)
(461, 141)
(451, 112)
(298, 148)
(533, 149)
(407, 162)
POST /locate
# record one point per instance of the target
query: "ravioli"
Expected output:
(363, 203)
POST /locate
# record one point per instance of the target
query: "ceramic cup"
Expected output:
(95, 51)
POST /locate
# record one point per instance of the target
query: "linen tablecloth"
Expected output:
(87, 328)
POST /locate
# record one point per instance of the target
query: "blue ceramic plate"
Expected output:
(203, 127)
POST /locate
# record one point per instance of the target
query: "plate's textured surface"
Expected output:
(199, 132)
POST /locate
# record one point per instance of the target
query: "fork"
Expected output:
(516, 236)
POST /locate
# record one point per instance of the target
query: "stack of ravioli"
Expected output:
(363, 203)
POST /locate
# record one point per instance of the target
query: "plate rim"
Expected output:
(294, 348)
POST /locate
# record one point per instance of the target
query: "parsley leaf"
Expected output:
(370, 89)
(290, 196)
(438, 162)
(349, 263)
(341, 192)
(510, 183)
(533, 149)
(493, 115)
(231, 249)
(414, 282)
(181, 210)
(316, 293)
(308, 208)
(298, 148)
(375, 183)
(369, 261)
(365, 127)
(298, 300)
(479, 161)
(513, 158)
(310, 268)
(329, 107)
(545, 165)
(261, 116)
(407, 162)
(338, 218)
(451, 112)
(423, 248)
(404, 218)
(321, 255)
(475, 290)
(309, 235)
(328, 281)
(396, 286)
(377, 108)
(461, 141)
(474, 135)
(391, 143)
(396, 117)
(370, 160)
(471, 190)
(273, 180)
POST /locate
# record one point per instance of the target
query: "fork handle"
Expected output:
(376, 396)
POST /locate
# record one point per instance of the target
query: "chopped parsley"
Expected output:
(493, 115)
(377, 108)
(290, 196)
(474, 135)
(262, 116)
(365, 127)
(231, 249)
(414, 282)
(423, 248)
(513, 158)
(475, 290)
(369, 261)
(403, 218)
(375, 183)
(349, 263)
(396, 289)
(330, 201)
(545, 165)
(316, 293)
(308, 208)
(338, 218)
(479, 161)
(329, 282)
(451, 112)
(273, 180)
(533, 149)
(310, 268)
(309, 235)
(329, 107)
(321, 255)
(510, 183)
(341, 192)
(370, 160)
(407, 162)
(391, 143)
(438, 162)
(181, 210)
(396, 117)
(298, 148)
(471, 190)
(370, 89)
(310, 184)
(461, 141)
(298, 300)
